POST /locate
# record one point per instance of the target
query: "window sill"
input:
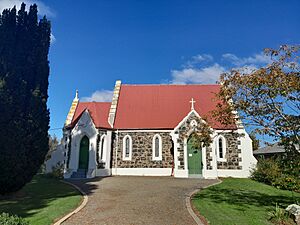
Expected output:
(221, 160)
(126, 159)
(156, 159)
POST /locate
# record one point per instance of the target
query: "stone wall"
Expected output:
(142, 150)
(184, 131)
(232, 152)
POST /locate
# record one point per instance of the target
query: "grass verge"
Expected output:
(241, 201)
(42, 201)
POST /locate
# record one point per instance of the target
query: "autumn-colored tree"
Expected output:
(201, 136)
(267, 99)
(255, 141)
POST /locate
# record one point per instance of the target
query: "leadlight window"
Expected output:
(221, 148)
(127, 150)
(127, 147)
(156, 146)
(101, 149)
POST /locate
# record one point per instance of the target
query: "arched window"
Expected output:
(127, 147)
(157, 147)
(221, 148)
(102, 145)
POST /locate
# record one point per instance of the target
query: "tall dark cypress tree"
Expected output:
(24, 117)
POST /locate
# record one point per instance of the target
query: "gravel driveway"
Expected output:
(136, 200)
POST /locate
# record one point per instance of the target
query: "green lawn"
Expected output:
(42, 201)
(241, 201)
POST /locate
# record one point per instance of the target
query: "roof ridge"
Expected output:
(170, 84)
(96, 102)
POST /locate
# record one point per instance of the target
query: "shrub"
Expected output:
(267, 171)
(57, 171)
(280, 217)
(287, 182)
(271, 171)
(6, 219)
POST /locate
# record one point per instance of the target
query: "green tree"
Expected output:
(24, 117)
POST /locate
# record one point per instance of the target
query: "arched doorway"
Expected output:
(84, 153)
(194, 152)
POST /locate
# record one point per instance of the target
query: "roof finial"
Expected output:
(72, 109)
(192, 102)
(76, 95)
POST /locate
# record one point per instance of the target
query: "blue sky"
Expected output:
(98, 41)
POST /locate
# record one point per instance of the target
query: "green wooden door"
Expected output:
(194, 157)
(84, 153)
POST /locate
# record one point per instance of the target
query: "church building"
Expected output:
(149, 130)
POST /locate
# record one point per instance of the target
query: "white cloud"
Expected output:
(197, 59)
(247, 69)
(257, 59)
(43, 9)
(206, 75)
(99, 96)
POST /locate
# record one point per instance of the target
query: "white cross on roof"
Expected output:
(192, 102)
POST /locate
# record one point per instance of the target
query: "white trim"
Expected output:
(176, 146)
(185, 158)
(181, 173)
(159, 158)
(103, 172)
(188, 115)
(143, 171)
(233, 173)
(124, 147)
(224, 145)
(148, 131)
(219, 131)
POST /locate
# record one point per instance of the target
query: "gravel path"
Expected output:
(136, 200)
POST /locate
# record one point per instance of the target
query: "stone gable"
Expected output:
(184, 131)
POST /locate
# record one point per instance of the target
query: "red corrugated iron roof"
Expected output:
(154, 106)
(98, 110)
(163, 106)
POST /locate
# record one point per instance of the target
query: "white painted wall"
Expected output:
(57, 156)
(248, 160)
(84, 126)
(106, 156)
(142, 171)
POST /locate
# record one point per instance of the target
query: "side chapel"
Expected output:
(148, 130)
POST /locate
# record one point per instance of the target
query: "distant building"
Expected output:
(269, 151)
